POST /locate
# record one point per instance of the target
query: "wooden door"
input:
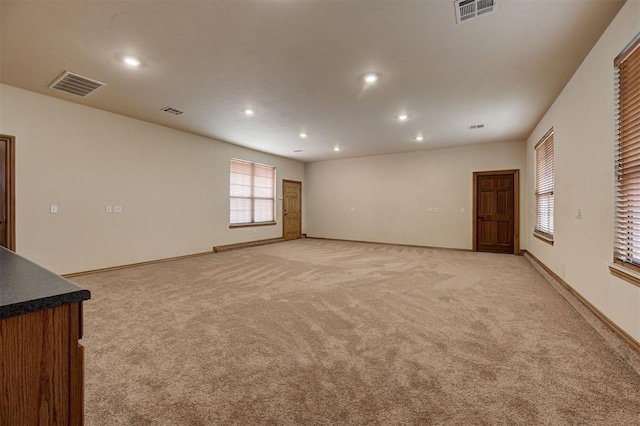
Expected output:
(7, 204)
(496, 211)
(3, 193)
(291, 209)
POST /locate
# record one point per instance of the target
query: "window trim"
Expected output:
(624, 273)
(252, 198)
(541, 235)
(251, 224)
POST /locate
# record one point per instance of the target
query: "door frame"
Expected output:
(283, 195)
(10, 201)
(516, 205)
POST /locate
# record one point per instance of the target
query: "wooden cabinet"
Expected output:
(42, 367)
(41, 361)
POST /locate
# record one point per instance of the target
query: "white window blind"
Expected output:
(544, 187)
(252, 192)
(627, 134)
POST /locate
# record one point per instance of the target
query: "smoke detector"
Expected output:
(467, 9)
(76, 84)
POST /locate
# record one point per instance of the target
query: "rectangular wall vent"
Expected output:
(173, 111)
(76, 84)
(476, 126)
(467, 9)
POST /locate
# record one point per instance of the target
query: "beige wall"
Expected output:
(173, 186)
(390, 195)
(582, 117)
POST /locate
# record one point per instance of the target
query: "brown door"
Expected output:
(7, 206)
(3, 193)
(495, 209)
(291, 209)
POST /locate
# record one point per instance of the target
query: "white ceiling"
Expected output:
(299, 65)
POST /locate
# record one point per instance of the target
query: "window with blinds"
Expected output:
(252, 193)
(627, 135)
(544, 188)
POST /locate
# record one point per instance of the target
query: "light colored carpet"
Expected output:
(327, 332)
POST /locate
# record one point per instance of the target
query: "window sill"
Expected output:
(547, 239)
(625, 274)
(251, 225)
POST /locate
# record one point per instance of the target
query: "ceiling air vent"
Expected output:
(476, 126)
(172, 111)
(467, 9)
(76, 84)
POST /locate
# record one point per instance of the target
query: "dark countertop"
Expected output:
(26, 287)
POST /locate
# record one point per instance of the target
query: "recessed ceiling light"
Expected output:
(403, 117)
(248, 112)
(371, 78)
(337, 148)
(303, 135)
(131, 61)
(419, 138)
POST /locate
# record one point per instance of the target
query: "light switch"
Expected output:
(108, 209)
(462, 210)
(577, 213)
(54, 208)
(117, 209)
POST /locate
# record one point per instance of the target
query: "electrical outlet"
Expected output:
(117, 209)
